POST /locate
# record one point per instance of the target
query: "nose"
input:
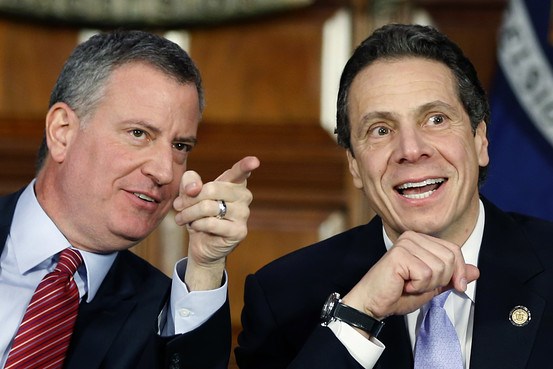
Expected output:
(412, 145)
(159, 165)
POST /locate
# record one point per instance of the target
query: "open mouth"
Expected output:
(420, 190)
(144, 197)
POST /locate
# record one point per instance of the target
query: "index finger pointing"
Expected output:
(240, 171)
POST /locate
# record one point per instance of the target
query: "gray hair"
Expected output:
(84, 76)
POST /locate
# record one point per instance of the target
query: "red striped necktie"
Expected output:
(44, 334)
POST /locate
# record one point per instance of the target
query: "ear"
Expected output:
(354, 170)
(61, 125)
(481, 144)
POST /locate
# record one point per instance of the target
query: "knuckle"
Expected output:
(205, 206)
(441, 268)
(426, 273)
(210, 190)
(450, 257)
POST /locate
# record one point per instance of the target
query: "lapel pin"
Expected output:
(520, 316)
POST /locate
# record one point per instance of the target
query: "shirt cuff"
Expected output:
(365, 351)
(190, 309)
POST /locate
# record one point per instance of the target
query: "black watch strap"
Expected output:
(335, 309)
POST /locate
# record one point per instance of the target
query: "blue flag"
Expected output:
(520, 176)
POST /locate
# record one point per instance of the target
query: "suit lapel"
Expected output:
(398, 353)
(369, 248)
(99, 332)
(7, 208)
(507, 266)
(99, 322)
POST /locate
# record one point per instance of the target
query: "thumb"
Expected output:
(190, 186)
(471, 274)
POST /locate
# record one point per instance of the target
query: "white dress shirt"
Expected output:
(31, 251)
(459, 308)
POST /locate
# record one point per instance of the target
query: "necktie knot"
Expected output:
(45, 331)
(69, 261)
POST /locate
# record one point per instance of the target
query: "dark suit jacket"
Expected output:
(117, 330)
(283, 300)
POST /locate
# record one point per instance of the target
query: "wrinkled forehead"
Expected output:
(409, 80)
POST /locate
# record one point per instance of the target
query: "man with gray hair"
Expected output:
(122, 119)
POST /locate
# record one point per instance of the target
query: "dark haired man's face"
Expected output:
(415, 155)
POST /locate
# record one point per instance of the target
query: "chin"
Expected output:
(428, 227)
(135, 233)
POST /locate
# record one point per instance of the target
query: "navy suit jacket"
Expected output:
(117, 329)
(283, 300)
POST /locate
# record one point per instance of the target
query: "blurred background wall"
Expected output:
(270, 74)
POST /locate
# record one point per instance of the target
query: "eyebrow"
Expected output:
(188, 139)
(378, 115)
(435, 104)
(421, 109)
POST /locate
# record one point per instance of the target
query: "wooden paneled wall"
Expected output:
(30, 58)
(262, 81)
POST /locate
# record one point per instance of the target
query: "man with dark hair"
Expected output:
(413, 117)
(122, 119)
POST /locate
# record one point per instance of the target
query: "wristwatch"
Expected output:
(334, 309)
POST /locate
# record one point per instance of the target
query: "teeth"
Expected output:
(144, 197)
(421, 184)
(419, 195)
(422, 195)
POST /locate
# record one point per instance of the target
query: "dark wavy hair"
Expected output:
(396, 41)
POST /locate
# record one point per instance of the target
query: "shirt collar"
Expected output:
(37, 248)
(470, 249)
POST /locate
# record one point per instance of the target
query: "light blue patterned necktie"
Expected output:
(437, 345)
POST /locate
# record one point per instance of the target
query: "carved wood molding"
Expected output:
(144, 13)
